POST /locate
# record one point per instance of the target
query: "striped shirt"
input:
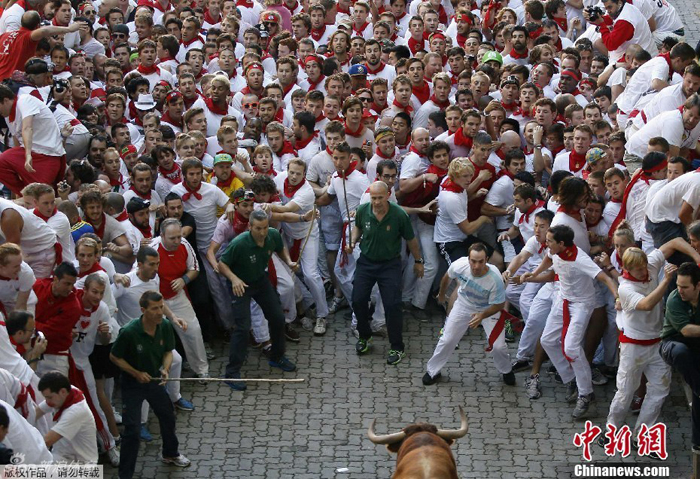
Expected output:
(477, 292)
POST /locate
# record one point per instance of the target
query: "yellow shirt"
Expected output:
(233, 186)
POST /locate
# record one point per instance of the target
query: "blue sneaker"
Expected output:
(145, 434)
(236, 385)
(184, 405)
(284, 364)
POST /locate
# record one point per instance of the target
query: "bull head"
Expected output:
(448, 435)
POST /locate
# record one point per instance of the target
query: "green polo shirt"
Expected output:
(141, 350)
(381, 240)
(679, 314)
(249, 261)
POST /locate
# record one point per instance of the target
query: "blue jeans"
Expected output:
(388, 276)
(269, 301)
(133, 396)
(686, 361)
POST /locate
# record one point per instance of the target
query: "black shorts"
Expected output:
(102, 366)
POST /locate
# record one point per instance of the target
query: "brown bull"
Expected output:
(423, 450)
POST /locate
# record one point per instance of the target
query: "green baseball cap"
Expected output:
(492, 57)
(223, 158)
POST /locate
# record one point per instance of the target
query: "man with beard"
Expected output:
(462, 140)
(439, 100)
(174, 106)
(568, 84)
(217, 106)
(376, 68)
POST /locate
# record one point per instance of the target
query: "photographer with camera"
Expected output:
(623, 25)
(76, 137)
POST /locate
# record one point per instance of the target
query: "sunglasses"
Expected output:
(119, 35)
(362, 98)
(250, 105)
(269, 24)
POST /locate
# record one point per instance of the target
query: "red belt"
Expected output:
(644, 117)
(21, 402)
(343, 254)
(499, 326)
(640, 342)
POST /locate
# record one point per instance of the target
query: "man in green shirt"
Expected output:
(680, 337)
(244, 264)
(144, 351)
(381, 225)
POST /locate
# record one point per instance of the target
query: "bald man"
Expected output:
(381, 225)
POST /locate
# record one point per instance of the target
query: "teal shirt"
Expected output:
(381, 240)
(678, 315)
(249, 261)
(141, 350)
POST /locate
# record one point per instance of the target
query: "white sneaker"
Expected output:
(117, 417)
(320, 328)
(113, 456)
(179, 461)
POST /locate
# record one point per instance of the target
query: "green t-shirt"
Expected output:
(247, 260)
(381, 240)
(141, 350)
(679, 314)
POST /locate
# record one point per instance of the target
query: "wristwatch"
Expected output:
(420, 261)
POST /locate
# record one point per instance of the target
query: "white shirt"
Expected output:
(501, 196)
(37, 237)
(640, 84)
(477, 293)
(11, 19)
(670, 98)
(46, 139)
(536, 251)
(636, 206)
(85, 331)
(12, 361)
(128, 298)
(668, 125)
(576, 278)
(611, 211)
(310, 150)
(420, 120)
(61, 225)
(356, 184)
(526, 228)
(666, 204)
(214, 119)
(9, 288)
(204, 210)
(413, 165)
(108, 298)
(320, 168)
(78, 430)
(304, 197)
(25, 439)
(580, 231)
(561, 162)
(641, 324)
(371, 165)
(452, 210)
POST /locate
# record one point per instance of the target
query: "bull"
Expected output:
(422, 450)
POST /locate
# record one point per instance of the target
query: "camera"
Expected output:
(35, 336)
(594, 13)
(60, 85)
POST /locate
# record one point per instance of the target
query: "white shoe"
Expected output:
(117, 417)
(113, 456)
(179, 461)
(320, 328)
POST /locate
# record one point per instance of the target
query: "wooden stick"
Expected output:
(241, 380)
(308, 234)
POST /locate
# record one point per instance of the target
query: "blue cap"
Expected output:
(358, 69)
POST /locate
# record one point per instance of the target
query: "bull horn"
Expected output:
(455, 433)
(386, 438)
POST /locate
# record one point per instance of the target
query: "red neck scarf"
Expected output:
(408, 109)
(191, 192)
(373, 71)
(216, 109)
(245, 3)
(123, 216)
(292, 8)
(449, 185)
(144, 70)
(414, 150)
(512, 106)
(422, 92)
(287, 148)
(416, 45)
(518, 56)
(348, 170)
(45, 218)
(629, 277)
(190, 42)
(576, 161)
(461, 40)
(317, 33)
(526, 216)
(208, 18)
(93, 269)
(562, 22)
(240, 224)
(574, 213)
(441, 104)
(667, 57)
(168, 119)
(382, 155)
(313, 85)
(289, 190)
(145, 230)
(99, 231)
(174, 174)
(146, 197)
(356, 132)
(301, 144)
(74, 397)
(358, 30)
(269, 172)
(436, 170)
(117, 183)
(462, 140)
(569, 253)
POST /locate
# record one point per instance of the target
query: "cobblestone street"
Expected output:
(317, 429)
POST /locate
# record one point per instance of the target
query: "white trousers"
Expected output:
(416, 290)
(220, 292)
(285, 288)
(578, 368)
(456, 325)
(53, 362)
(258, 323)
(192, 340)
(312, 275)
(536, 319)
(636, 360)
(346, 273)
(103, 435)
